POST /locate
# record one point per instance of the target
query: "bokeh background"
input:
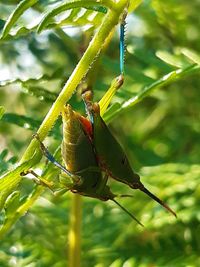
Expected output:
(161, 136)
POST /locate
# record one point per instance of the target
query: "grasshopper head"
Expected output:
(67, 112)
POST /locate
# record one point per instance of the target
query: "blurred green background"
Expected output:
(160, 134)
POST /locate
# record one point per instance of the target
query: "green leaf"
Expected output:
(191, 55)
(173, 60)
(136, 75)
(117, 263)
(41, 93)
(26, 82)
(21, 31)
(93, 5)
(22, 121)
(2, 111)
(30, 123)
(12, 211)
(71, 20)
(3, 154)
(83, 20)
(20, 9)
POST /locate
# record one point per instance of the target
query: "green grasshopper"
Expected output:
(89, 149)
(81, 164)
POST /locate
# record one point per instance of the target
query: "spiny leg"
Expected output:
(51, 158)
(122, 43)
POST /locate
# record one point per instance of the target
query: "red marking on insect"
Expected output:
(87, 125)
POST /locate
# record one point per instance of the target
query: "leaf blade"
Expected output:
(19, 10)
(96, 6)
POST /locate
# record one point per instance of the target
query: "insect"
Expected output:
(81, 165)
(91, 153)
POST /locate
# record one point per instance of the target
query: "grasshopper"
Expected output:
(81, 165)
(90, 150)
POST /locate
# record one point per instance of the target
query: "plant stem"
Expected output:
(75, 232)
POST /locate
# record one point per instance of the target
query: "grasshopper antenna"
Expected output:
(147, 192)
(131, 215)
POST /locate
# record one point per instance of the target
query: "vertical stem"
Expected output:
(75, 232)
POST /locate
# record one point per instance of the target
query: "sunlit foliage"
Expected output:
(160, 134)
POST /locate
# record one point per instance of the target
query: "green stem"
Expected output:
(75, 232)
